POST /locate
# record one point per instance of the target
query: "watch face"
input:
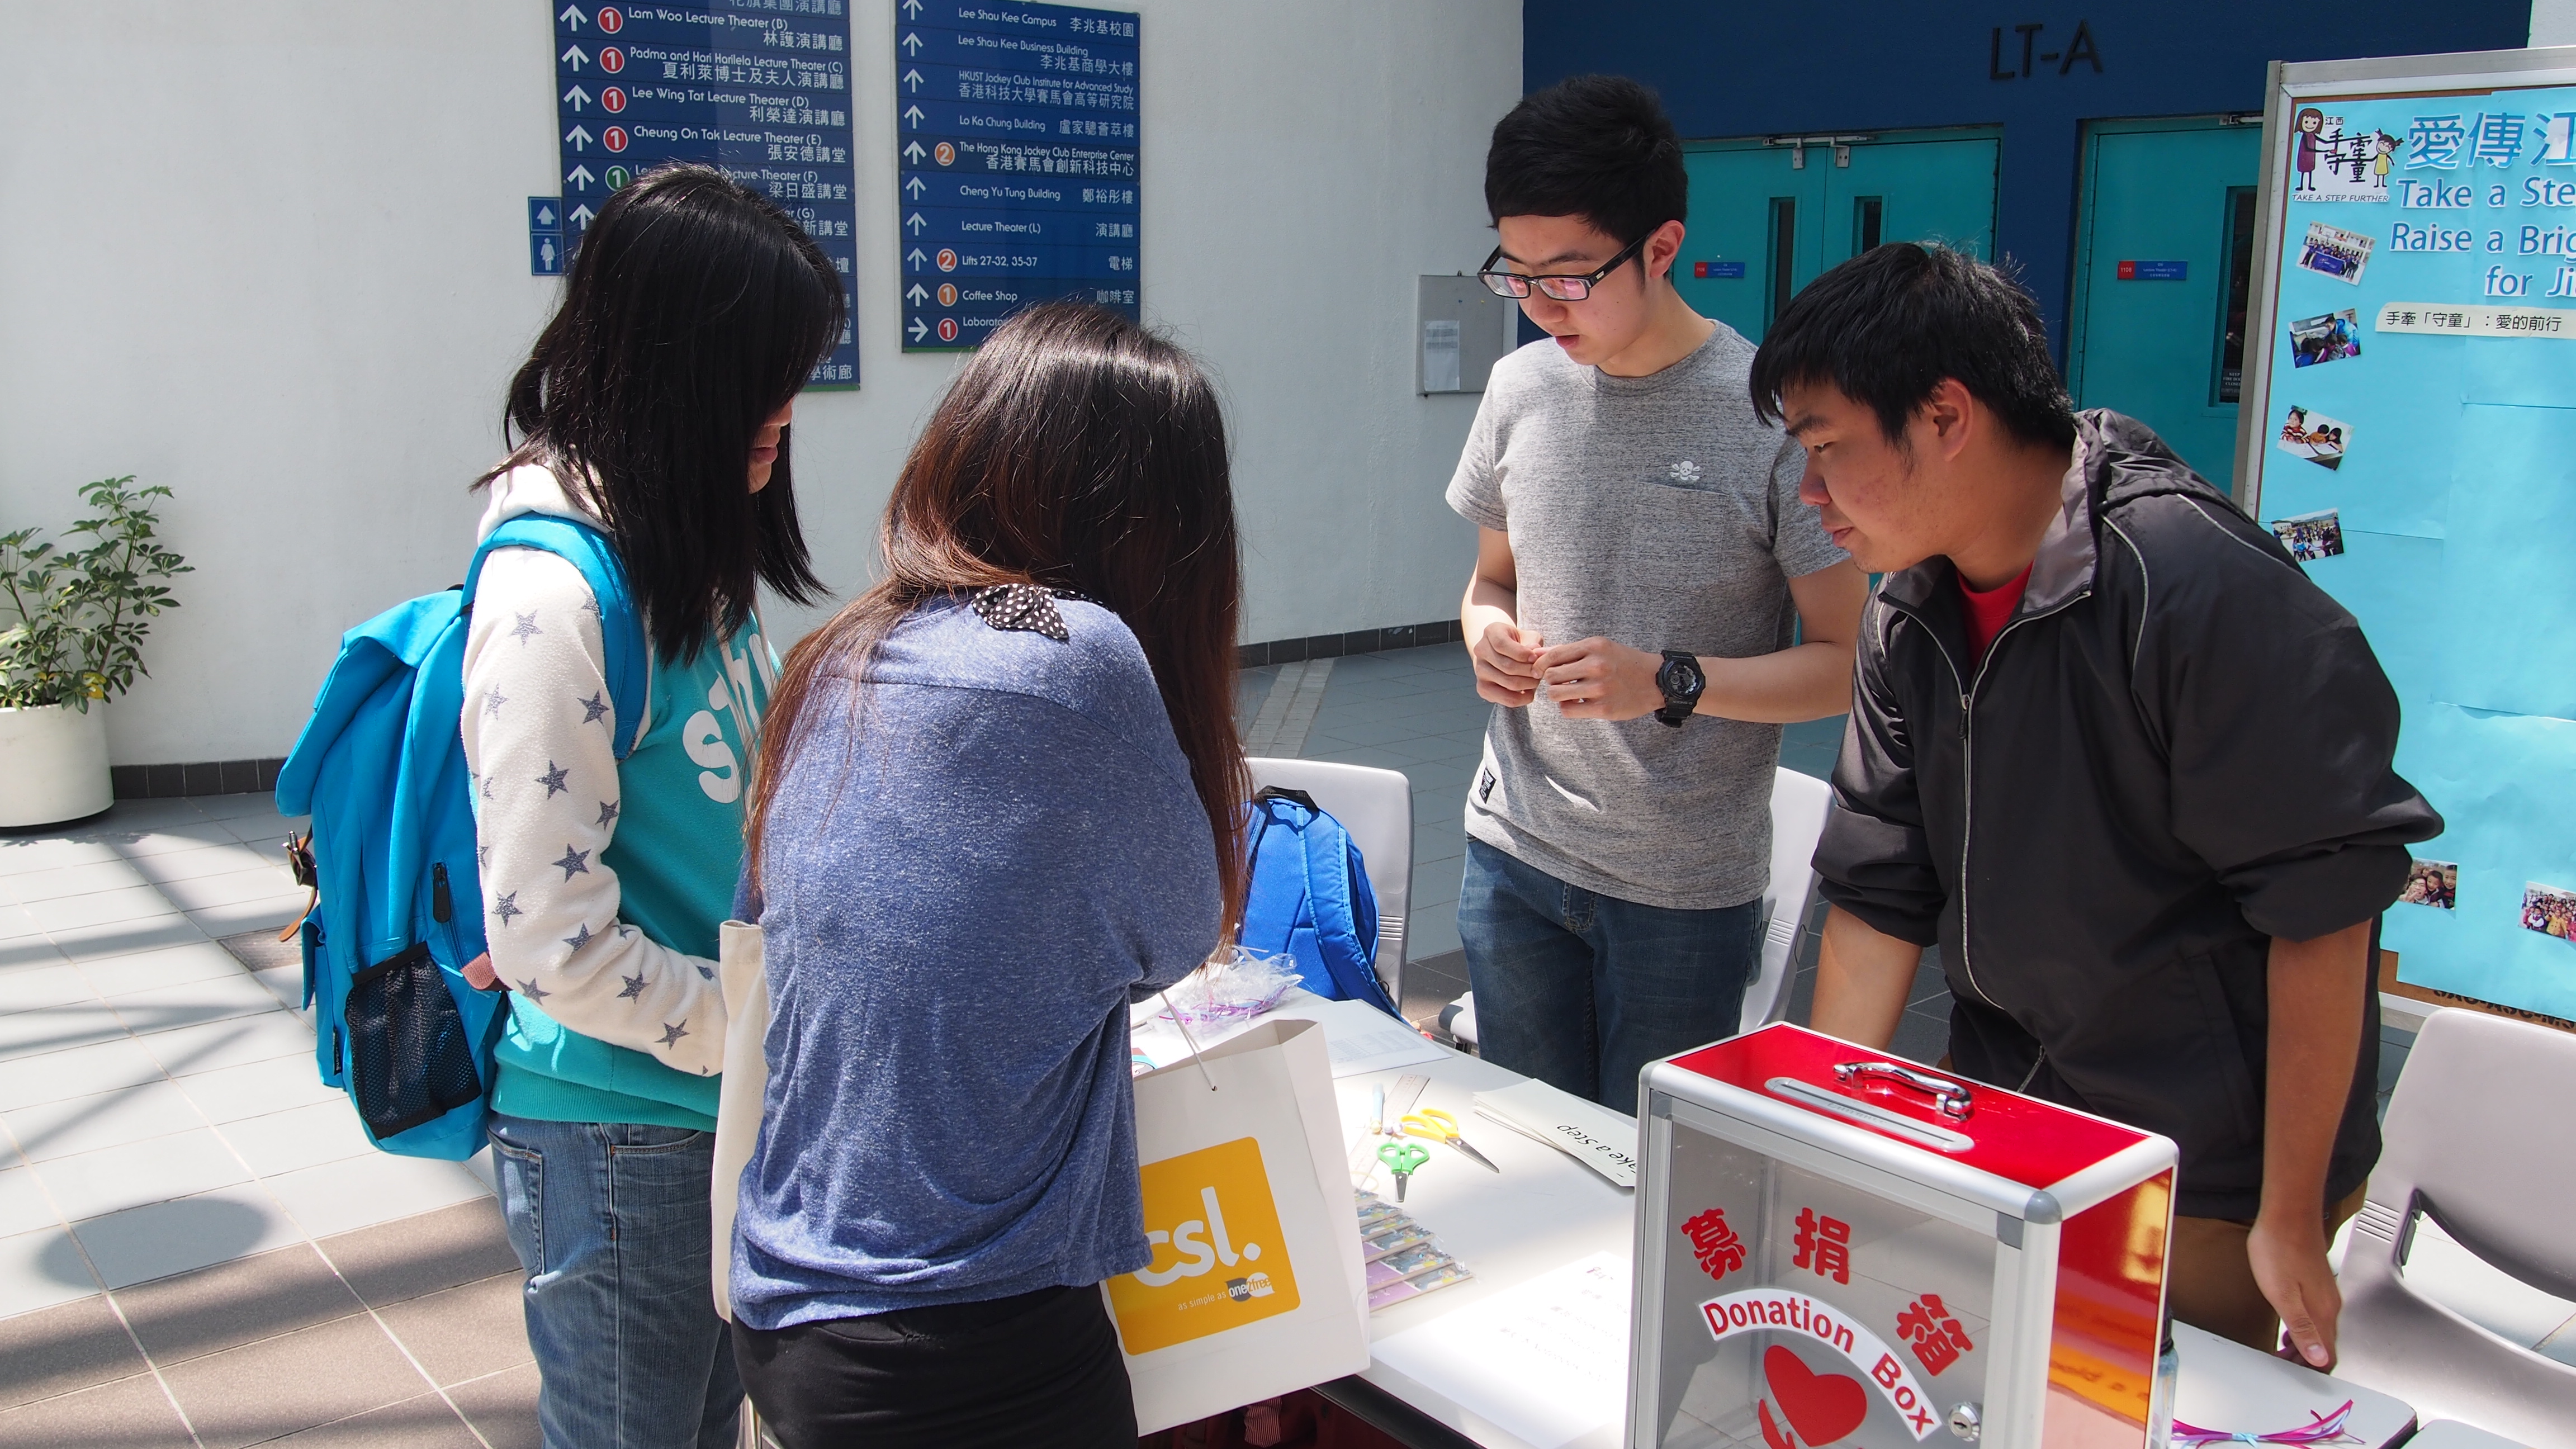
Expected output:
(1682, 678)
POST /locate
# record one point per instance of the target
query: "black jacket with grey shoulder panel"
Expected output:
(2176, 748)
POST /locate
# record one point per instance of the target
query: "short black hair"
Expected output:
(1885, 327)
(1595, 146)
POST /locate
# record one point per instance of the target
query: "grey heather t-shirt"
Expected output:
(1658, 512)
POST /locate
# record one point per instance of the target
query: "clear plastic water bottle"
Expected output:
(2160, 1399)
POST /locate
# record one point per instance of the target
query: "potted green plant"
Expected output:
(77, 640)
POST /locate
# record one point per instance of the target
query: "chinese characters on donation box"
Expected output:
(2419, 461)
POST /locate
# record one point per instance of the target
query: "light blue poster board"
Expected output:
(2417, 450)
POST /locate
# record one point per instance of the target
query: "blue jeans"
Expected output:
(610, 1221)
(1581, 990)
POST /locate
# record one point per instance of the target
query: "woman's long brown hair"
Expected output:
(1076, 451)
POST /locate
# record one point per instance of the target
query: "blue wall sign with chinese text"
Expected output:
(759, 89)
(1016, 136)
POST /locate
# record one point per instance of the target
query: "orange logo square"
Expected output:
(1219, 1258)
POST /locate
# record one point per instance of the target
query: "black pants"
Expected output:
(1036, 1371)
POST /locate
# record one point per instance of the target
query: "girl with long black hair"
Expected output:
(1001, 797)
(655, 409)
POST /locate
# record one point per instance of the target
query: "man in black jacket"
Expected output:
(2117, 756)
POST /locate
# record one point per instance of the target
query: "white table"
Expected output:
(1545, 1210)
(1541, 1212)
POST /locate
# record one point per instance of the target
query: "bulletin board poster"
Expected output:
(2421, 464)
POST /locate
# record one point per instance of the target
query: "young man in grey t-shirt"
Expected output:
(1643, 567)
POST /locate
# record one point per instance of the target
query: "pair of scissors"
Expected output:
(1439, 1126)
(1404, 1158)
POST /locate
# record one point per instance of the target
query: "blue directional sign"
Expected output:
(545, 236)
(759, 89)
(1016, 128)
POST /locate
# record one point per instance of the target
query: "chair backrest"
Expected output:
(1798, 806)
(2476, 1138)
(1376, 807)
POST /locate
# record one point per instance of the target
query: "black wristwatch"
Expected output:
(1681, 682)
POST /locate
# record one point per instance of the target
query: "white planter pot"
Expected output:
(53, 764)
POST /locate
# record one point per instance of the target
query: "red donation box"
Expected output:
(1836, 1250)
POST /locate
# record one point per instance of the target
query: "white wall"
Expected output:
(272, 253)
(2553, 22)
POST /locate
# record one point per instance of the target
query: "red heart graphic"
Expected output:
(1821, 1407)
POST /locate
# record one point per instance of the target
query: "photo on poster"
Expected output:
(2328, 337)
(2549, 910)
(2434, 883)
(2330, 251)
(2314, 436)
(2311, 536)
(2333, 163)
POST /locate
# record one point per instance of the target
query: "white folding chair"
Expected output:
(1376, 807)
(1799, 804)
(2477, 1139)
(1798, 807)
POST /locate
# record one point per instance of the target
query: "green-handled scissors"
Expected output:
(1404, 1157)
(1439, 1126)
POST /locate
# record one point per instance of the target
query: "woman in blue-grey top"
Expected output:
(999, 800)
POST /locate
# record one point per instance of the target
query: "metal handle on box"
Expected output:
(1953, 1100)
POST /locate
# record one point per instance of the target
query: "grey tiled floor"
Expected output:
(198, 1245)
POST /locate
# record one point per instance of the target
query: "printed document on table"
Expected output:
(1359, 1037)
(1547, 1361)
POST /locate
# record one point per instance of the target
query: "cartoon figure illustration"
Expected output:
(2387, 148)
(2304, 147)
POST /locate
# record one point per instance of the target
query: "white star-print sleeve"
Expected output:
(538, 728)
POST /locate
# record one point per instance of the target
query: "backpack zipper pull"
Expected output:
(442, 903)
(1964, 703)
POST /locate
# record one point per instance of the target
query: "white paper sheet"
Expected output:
(1547, 1360)
(1359, 1037)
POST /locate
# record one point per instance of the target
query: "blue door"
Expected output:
(2164, 240)
(1765, 217)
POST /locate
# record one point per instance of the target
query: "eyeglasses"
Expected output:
(1564, 287)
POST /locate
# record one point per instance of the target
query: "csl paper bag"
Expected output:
(1256, 1287)
(738, 1096)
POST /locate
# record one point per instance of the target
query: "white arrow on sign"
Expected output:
(911, 44)
(573, 53)
(915, 222)
(912, 152)
(916, 296)
(912, 79)
(912, 9)
(918, 330)
(571, 17)
(577, 98)
(577, 138)
(582, 217)
(545, 216)
(915, 187)
(913, 114)
(914, 258)
(580, 178)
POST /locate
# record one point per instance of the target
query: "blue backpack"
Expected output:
(390, 855)
(1311, 899)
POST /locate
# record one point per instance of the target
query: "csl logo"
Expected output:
(1203, 1279)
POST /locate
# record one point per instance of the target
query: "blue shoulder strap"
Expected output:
(621, 624)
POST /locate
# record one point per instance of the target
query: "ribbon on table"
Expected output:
(2325, 1429)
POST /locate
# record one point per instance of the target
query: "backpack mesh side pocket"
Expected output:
(409, 1061)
